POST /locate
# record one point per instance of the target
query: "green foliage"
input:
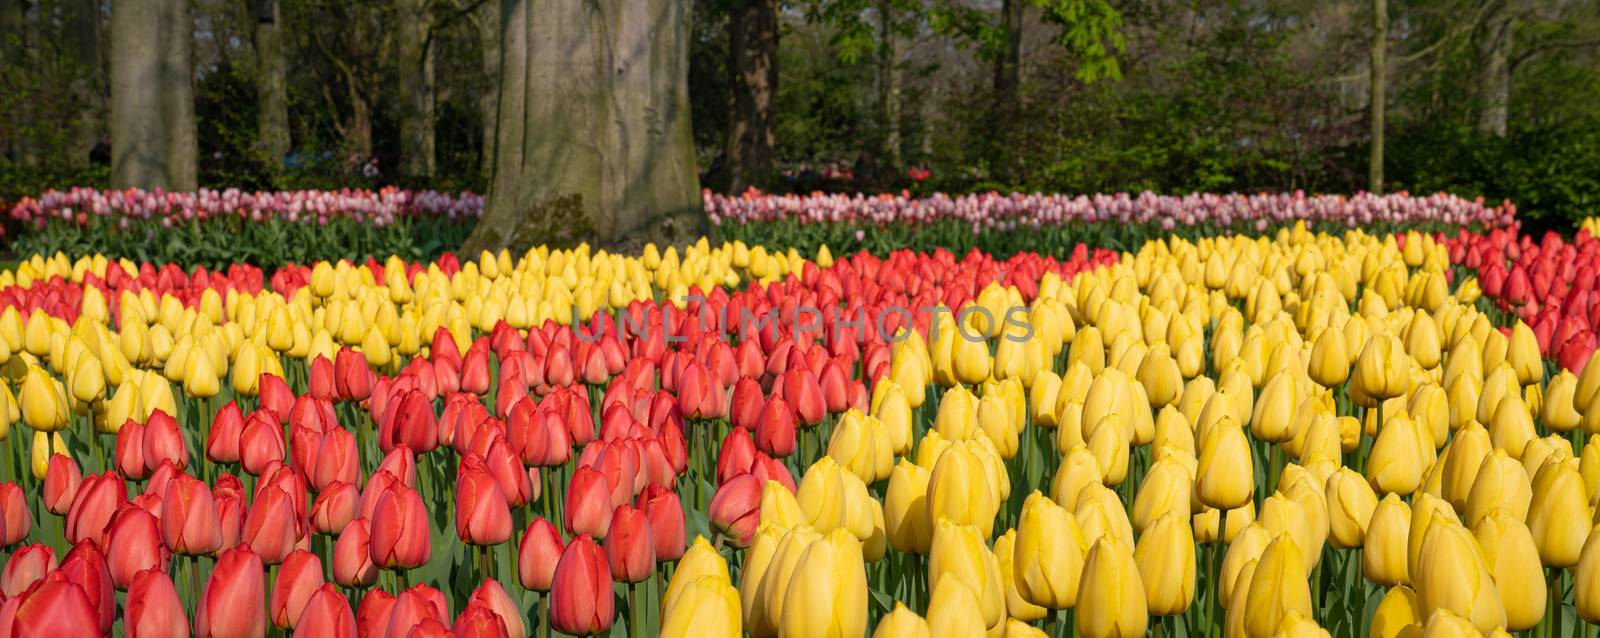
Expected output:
(1553, 175)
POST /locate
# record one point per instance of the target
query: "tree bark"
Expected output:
(1008, 61)
(177, 87)
(753, 65)
(272, 92)
(138, 151)
(1494, 70)
(88, 79)
(488, 24)
(414, 63)
(599, 129)
(889, 83)
(1380, 36)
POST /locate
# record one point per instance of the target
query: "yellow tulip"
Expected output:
(1446, 624)
(1501, 484)
(1586, 579)
(1512, 425)
(959, 489)
(1049, 554)
(1558, 411)
(43, 401)
(827, 594)
(957, 419)
(752, 578)
(779, 507)
(1455, 577)
(1379, 372)
(1110, 447)
(1513, 561)
(1207, 522)
(1226, 476)
(994, 420)
(39, 454)
(1422, 340)
(1396, 462)
(1111, 597)
(1016, 606)
(905, 509)
(902, 623)
(706, 606)
(1160, 376)
(773, 587)
(1398, 610)
(960, 553)
(200, 378)
(973, 364)
(953, 611)
(1018, 629)
(1330, 359)
(1559, 515)
(1165, 556)
(1351, 504)
(1278, 586)
(1078, 469)
(1384, 551)
(860, 444)
(893, 411)
(1167, 487)
(1523, 354)
(1467, 451)
(1274, 410)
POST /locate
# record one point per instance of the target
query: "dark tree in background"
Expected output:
(753, 75)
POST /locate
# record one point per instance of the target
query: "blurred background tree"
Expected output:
(1483, 97)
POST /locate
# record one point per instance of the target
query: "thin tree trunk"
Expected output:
(1380, 36)
(488, 24)
(182, 152)
(1008, 63)
(138, 151)
(753, 65)
(88, 80)
(1495, 73)
(605, 108)
(414, 63)
(889, 83)
(272, 92)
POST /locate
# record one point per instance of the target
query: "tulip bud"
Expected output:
(297, 580)
(953, 608)
(234, 600)
(960, 553)
(629, 548)
(1049, 554)
(153, 608)
(1559, 515)
(903, 623)
(1111, 597)
(1278, 587)
(1456, 578)
(537, 555)
(1226, 475)
(1351, 504)
(1384, 552)
(1512, 559)
(581, 590)
(1165, 557)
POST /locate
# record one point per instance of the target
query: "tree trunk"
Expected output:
(1380, 36)
(177, 88)
(358, 129)
(599, 132)
(139, 148)
(414, 63)
(889, 84)
(488, 23)
(88, 82)
(1494, 71)
(1008, 62)
(753, 65)
(272, 90)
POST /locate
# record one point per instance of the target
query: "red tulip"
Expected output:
(272, 526)
(352, 556)
(298, 578)
(835, 384)
(234, 601)
(477, 621)
(319, 382)
(86, 566)
(547, 441)
(735, 509)
(744, 411)
(261, 443)
(275, 396)
(1518, 290)
(163, 441)
(326, 613)
(508, 471)
(559, 369)
(414, 607)
(15, 519)
(338, 460)
(462, 413)
(428, 628)
(61, 484)
(352, 379)
(27, 566)
(775, 430)
(699, 393)
(160, 476)
(766, 468)
(629, 545)
(98, 498)
(588, 506)
(400, 530)
(372, 615)
(189, 522)
(482, 515)
(57, 608)
(402, 463)
(541, 547)
(229, 497)
(134, 545)
(129, 452)
(153, 609)
(492, 597)
(581, 602)
(736, 454)
(412, 423)
(802, 391)
(475, 370)
(222, 442)
(662, 507)
(336, 505)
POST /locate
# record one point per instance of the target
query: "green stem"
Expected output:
(633, 610)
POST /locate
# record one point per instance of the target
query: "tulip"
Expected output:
(537, 555)
(1501, 484)
(588, 505)
(492, 597)
(337, 504)
(1016, 607)
(57, 604)
(153, 609)
(372, 615)
(706, 606)
(905, 508)
(418, 611)
(735, 510)
(959, 489)
(296, 581)
(272, 527)
(1512, 559)
(163, 441)
(779, 508)
(483, 517)
(27, 566)
(399, 530)
(1049, 555)
(1558, 515)
(630, 550)
(1225, 478)
(1277, 588)
(775, 428)
(827, 593)
(1456, 578)
(1165, 557)
(352, 556)
(1111, 596)
(261, 444)
(222, 442)
(904, 623)
(662, 508)
(1395, 464)
(43, 401)
(1166, 488)
(959, 552)
(61, 483)
(1351, 504)
(1330, 360)
(328, 612)
(581, 590)
(134, 545)
(1378, 373)
(1397, 610)
(234, 600)
(1384, 551)
(97, 500)
(953, 608)
(15, 517)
